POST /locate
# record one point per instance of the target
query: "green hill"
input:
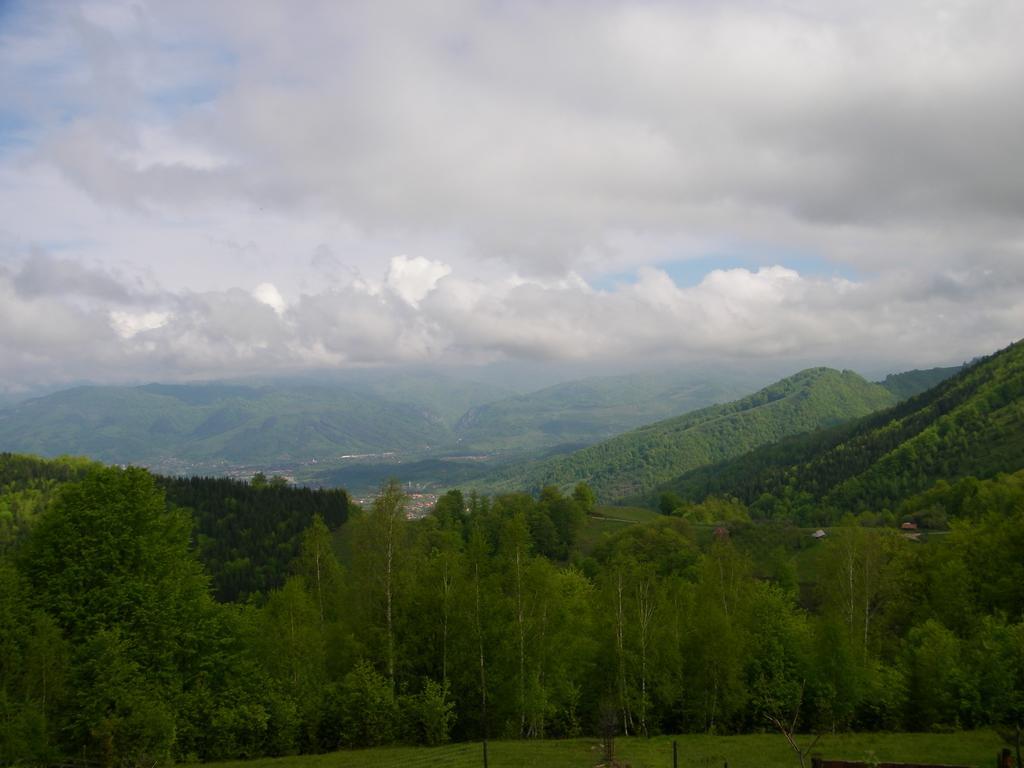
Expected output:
(447, 397)
(970, 425)
(634, 463)
(173, 427)
(377, 416)
(588, 410)
(910, 383)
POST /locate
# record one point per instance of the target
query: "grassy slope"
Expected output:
(767, 750)
(605, 521)
(633, 463)
(971, 424)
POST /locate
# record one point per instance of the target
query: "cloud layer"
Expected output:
(196, 188)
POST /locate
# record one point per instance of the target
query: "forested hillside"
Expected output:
(444, 396)
(304, 426)
(249, 533)
(910, 383)
(634, 463)
(969, 425)
(486, 619)
(176, 426)
(588, 410)
(246, 534)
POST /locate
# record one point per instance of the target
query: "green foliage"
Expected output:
(971, 424)
(634, 463)
(370, 711)
(935, 679)
(431, 714)
(121, 712)
(180, 427)
(910, 383)
(584, 497)
(669, 502)
(250, 533)
(714, 509)
(111, 566)
(33, 668)
(27, 484)
(588, 410)
(486, 619)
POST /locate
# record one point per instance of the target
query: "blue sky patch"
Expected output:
(689, 272)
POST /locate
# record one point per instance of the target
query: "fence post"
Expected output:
(485, 753)
(675, 754)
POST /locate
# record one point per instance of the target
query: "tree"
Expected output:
(321, 570)
(33, 669)
(450, 511)
(370, 708)
(432, 714)
(114, 569)
(1009, 702)
(787, 727)
(585, 497)
(379, 548)
(669, 501)
(932, 657)
(291, 647)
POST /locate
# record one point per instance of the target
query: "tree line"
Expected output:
(486, 619)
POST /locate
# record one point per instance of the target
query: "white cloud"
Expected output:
(184, 189)
(47, 335)
(269, 295)
(412, 279)
(128, 324)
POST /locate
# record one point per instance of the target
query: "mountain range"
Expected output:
(211, 427)
(635, 462)
(970, 425)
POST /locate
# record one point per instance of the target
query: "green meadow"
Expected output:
(766, 750)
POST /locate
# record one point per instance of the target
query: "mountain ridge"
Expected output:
(969, 425)
(630, 464)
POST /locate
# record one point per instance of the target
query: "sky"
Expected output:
(204, 189)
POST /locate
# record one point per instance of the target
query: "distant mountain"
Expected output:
(447, 397)
(586, 411)
(635, 462)
(216, 427)
(969, 425)
(166, 425)
(911, 383)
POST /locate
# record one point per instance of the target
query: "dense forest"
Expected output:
(246, 534)
(146, 619)
(289, 423)
(633, 463)
(488, 618)
(969, 425)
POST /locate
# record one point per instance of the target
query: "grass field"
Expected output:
(607, 520)
(976, 748)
